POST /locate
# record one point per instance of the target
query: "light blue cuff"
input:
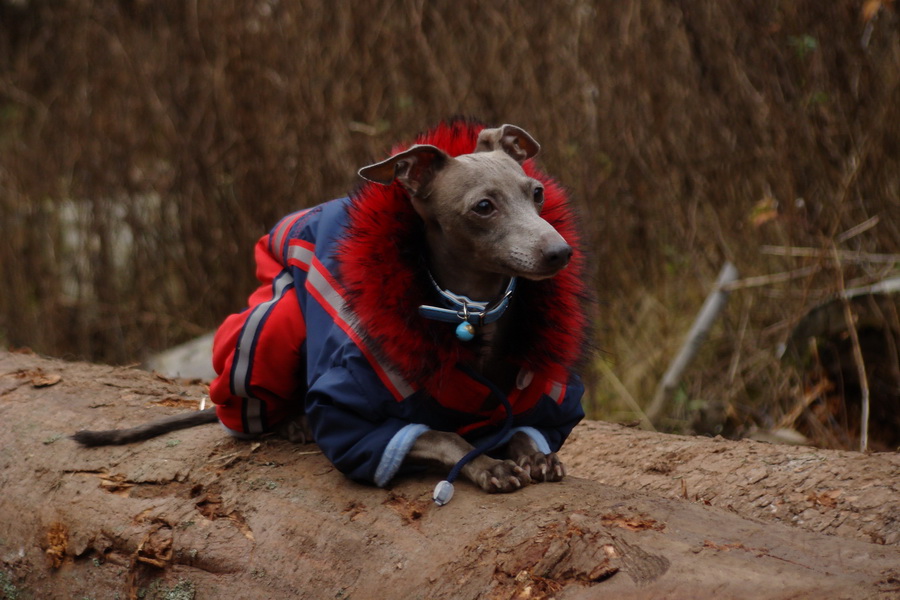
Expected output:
(396, 451)
(531, 432)
(535, 435)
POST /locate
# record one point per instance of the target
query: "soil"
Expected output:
(198, 515)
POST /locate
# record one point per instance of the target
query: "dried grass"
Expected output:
(145, 145)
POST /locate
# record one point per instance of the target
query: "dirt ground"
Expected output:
(197, 515)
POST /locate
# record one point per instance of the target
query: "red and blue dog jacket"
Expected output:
(334, 332)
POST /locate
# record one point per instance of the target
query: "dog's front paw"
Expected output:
(497, 476)
(543, 467)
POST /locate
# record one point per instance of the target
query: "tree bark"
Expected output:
(848, 494)
(198, 515)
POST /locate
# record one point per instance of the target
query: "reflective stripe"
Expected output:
(318, 280)
(524, 379)
(242, 364)
(327, 291)
(300, 254)
(251, 414)
(276, 241)
(557, 391)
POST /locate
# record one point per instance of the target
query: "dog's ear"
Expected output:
(513, 140)
(414, 168)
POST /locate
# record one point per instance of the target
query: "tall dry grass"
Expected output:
(144, 146)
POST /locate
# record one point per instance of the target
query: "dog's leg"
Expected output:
(295, 430)
(539, 466)
(446, 449)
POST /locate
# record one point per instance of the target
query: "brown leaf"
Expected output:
(870, 9)
(631, 523)
(40, 380)
(57, 540)
(764, 211)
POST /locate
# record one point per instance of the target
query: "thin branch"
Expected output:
(626, 396)
(840, 255)
(761, 280)
(857, 229)
(736, 357)
(713, 305)
(789, 420)
(857, 358)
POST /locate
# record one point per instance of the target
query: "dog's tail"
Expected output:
(117, 437)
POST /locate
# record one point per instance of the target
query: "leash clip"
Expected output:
(443, 492)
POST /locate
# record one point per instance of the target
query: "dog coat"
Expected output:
(334, 332)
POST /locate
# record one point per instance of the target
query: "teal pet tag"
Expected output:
(465, 331)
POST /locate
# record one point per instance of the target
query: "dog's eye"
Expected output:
(539, 195)
(483, 208)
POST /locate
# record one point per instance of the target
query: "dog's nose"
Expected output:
(557, 255)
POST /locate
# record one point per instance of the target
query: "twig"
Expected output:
(736, 358)
(626, 396)
(713, 305)
(885, 286)
(770, 279)
(857, 229)
(840, 255)
(857, 358)
(789, 420)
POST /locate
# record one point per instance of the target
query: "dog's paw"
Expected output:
(543, 467)
(295, 430)
(500, 476)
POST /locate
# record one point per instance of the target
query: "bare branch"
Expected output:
(857, 358)
(714, 304)
(841, 255)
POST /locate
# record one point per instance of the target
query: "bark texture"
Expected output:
(848, 494)
(198, 515)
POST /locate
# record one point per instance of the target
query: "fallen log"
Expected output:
(848, 494)
(198, 515)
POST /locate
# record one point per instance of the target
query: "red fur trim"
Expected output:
(384, 273)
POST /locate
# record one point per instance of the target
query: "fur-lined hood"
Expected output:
(384, 273)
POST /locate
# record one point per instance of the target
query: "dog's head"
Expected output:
(480, 208)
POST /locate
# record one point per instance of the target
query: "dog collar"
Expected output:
(466, 312)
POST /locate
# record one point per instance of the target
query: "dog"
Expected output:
(436, 317)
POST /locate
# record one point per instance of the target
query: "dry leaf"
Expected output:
(40, 380)
(764, 211)
(870, 9)
(57, 540)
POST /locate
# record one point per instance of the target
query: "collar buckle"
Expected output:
(464, 311)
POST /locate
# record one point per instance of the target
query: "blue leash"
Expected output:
(443, 491)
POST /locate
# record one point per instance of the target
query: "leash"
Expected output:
(466, 312)
(443, 491)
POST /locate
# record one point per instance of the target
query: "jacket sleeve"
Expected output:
(347, 409)
(555, 417)
(256, 354)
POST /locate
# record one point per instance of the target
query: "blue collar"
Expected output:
(466, 312)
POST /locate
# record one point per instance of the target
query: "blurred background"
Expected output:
(146, 144)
